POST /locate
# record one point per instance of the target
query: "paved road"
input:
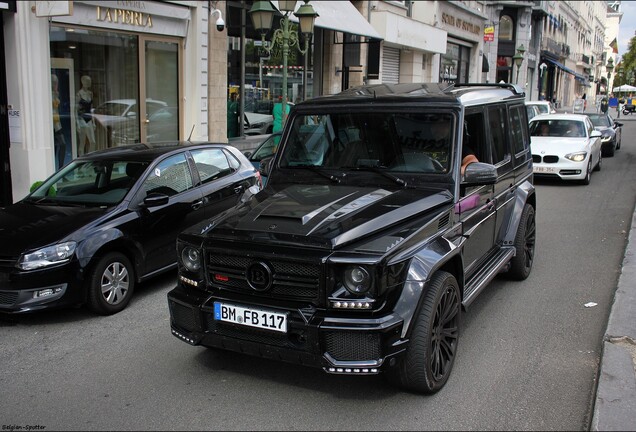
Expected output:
(528, 357)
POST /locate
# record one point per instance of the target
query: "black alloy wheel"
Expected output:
(525, 241)
(430, 356)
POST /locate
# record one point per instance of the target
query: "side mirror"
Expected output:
(264, 168)
(596, 134)
(156, 200)
(617, 124)
(247, 154)
(479, 173)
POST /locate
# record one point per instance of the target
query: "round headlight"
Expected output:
(191, 258)
(357, 280)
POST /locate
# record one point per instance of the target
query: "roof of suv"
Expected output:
(454, 94)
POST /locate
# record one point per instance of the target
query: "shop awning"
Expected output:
(485, 67)
(560, 66)
(340, 16)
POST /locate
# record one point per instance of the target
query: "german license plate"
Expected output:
(539, 169)
(250, 317)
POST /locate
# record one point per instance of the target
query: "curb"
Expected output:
(615, 404)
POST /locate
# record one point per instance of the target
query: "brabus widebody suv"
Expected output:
(360, 253)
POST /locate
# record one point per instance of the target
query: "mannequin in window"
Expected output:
(85, 125)
(59, 142)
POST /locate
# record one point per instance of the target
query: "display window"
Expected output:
(98, 80)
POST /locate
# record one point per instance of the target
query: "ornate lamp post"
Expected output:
(262, 14)
(518, 60)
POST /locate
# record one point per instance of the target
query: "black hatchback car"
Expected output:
(109, 220)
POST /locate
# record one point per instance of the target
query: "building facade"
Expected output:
(87, 75)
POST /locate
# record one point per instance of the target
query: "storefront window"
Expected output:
(99, 89)
(504, 69)
(505, 28)
(263, 76)
(454, 65)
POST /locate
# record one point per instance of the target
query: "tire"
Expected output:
(610, 151)
(431, 352)
(525, 240)
(599, 164)
(588, 174)
(111, 283)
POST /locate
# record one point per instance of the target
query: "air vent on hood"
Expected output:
(443, 221)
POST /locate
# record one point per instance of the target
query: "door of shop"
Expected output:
(159, 65)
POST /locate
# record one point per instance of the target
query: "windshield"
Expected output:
(111, 109)
(558, 128)
(100, 183)
(400, 142)
(543, 109)
(599, 120)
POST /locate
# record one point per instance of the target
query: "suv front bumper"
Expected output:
(337, 344)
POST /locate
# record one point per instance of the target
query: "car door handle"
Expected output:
(490, 204)
(197, 205)
(238, 190)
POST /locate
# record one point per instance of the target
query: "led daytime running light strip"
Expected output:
(351, 305)
(180, 336)
(353, 370)
(189, 281)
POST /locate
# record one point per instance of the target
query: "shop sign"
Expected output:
(489, 34)
(124, 16)
(461, 24)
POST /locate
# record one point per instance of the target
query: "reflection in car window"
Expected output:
(400, 141)
(211, 164)
(266, 149)
(170, 177)
(103, 182)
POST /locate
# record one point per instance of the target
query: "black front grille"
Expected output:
(183, 316)
(349, 345)
(8, 298)
(7, 262)
(545, 159)
(550, 159)
(291, 279)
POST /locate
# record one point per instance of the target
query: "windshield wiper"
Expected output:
(317, 170)
(379, 170)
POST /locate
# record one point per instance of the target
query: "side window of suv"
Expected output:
(518, 132)
(498, 133)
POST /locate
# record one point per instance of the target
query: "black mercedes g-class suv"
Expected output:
(368, 240)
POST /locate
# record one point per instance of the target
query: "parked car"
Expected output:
(532, 111)
(115, 112)
(359, 255)
(109, 220)
(611, 131)
(162, 125)
(258, 124)
(267, 149)
(565, 146)
(544, 107)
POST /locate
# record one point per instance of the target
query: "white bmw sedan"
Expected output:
(565, 146)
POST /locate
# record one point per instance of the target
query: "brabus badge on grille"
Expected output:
(259, 276)
(273, 226)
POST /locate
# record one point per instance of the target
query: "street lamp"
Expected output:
(518, 59)
(262, 14)
(610, 67)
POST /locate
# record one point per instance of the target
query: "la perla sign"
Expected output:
(124, 16)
